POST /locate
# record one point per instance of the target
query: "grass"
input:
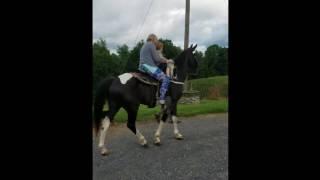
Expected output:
(205, 107)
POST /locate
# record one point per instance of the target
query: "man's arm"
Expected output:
(156, 56)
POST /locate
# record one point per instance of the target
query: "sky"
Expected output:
(129, 21)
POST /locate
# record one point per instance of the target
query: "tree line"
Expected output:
(212, 62)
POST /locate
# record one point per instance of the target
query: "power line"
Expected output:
(145, 17)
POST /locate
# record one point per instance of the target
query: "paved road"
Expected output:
(203, 154)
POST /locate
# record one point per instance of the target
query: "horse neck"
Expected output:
(181, 67)
(181, 75)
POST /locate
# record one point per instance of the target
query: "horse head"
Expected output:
(192, 63)
(186, 62)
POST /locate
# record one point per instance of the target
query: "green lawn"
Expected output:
(205, 107)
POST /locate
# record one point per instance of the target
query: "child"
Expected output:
(170, 63)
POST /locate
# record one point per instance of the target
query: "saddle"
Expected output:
(145, 78)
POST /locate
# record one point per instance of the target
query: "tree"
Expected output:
(102, 62)
(134, 56)
(221, 65)
(211, 56)
(124, 54)
(213, 62)
(216, 61)
(118, 65)
(170, 51)
(202, 65)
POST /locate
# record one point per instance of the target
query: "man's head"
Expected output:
(152, 38)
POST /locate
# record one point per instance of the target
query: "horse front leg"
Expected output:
(142, 140)
(174, 119)
(132, 116)
(176, 132)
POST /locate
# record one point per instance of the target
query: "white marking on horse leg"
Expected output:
(158, 132)
(175, 125)
(103, 132)
(141, 138)
(176, 130)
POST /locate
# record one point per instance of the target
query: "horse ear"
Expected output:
(193, 48)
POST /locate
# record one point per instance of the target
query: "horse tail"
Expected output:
(102, 94)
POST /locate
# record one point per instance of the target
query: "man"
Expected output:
(149, 61)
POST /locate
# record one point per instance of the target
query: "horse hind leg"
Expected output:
(103, 131)
(163, 115)
(104, 128)
(158, 132)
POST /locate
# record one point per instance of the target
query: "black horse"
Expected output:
(128, 91)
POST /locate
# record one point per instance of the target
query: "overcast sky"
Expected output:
(120, 21)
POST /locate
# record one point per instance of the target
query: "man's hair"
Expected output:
(152, 37)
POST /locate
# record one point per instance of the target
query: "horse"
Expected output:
(128, 91)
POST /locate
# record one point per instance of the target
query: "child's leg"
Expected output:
(171, 70)
(168, 71)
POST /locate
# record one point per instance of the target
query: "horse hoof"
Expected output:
(145, 145)
(143, 142)
(157, 142)
(179, 136)
(104, 152)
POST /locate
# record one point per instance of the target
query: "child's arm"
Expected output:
(164, 60)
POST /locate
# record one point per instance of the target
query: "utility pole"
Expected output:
(186, 35)
(186, 28)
